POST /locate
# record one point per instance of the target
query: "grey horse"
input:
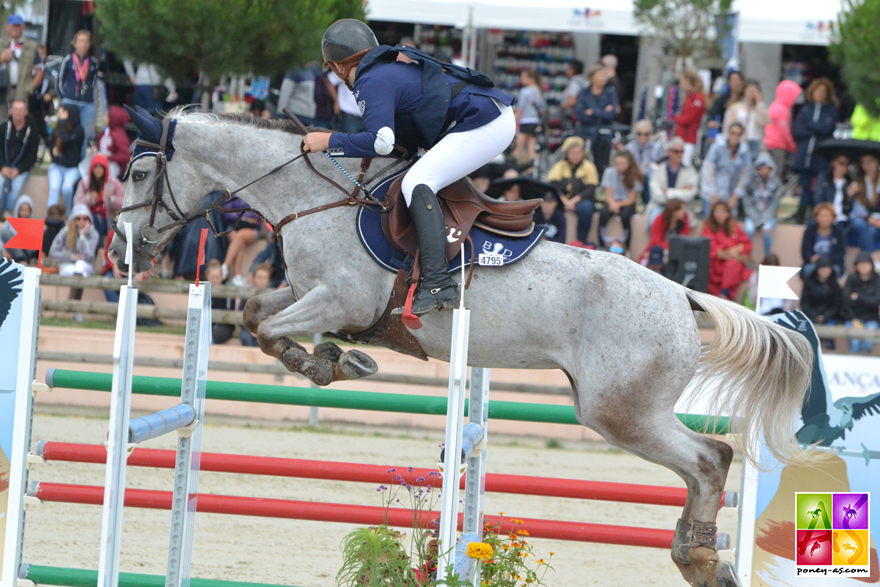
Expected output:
(626, 337)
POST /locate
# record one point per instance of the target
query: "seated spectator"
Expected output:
(244, 235)
(622, 183)
(761, 200)
(575, 178)
(728, 253)
(56, 220)
(860, 307)
(823, 238)
(865, 215)
(646, 151)
(74, 249)
(751, 112)
(821, 297)
(552, 217)
(833, 187)
(24, 208)
(102, 193)
(220, 333)
(114, 143)
(673, 220)
(21, 140)
(725, 171)
(260, 278)
(271, 255)
(64, 169)
(672, 180)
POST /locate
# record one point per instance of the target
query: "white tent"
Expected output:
(792, 22)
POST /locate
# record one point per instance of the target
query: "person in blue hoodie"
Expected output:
(407, 97)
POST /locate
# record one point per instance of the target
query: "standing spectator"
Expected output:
(77, 77)
(861, 301)
(777, 133)
(725, 171)
(610, 63)
(21, 68)
(552, 217)
(66, 155)
(298, 93)
(672, 180)
(731, 94)
(102, 193)
(596, 110)
(822, 296)
(574, 71)
(814, 123)
(576, 178)
(24, 208)
(728, 253)
(323, 100)
(823, 239)
(687, 121)
(646, 151)
(761, 200)
(114, 143)
(41, 103)
(833, 187)
(220, 333)
(751, 112)
(150, 87)
(528, 109)
(865, 215)
(673, 219)
(244, 235)
(21, 140)
(622, 183)
(348, 114)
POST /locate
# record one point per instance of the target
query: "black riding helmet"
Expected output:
(345, 38)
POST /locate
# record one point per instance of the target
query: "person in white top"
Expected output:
(148, 84)
(751, 112)
(345, 107)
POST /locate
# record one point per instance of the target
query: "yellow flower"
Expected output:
(541, 561)
(515, 521)
(522, 533)
(479, 550)
(500, 513)
(552, 553)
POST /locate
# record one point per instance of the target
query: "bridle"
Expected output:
(150, 233)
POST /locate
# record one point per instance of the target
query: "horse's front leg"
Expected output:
(317, 311)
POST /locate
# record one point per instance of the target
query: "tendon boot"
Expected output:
(436, 290)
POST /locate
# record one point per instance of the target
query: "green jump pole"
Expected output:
(352, 400)
(87, 578)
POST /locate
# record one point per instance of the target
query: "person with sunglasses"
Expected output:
(833, 187)
(672, 180)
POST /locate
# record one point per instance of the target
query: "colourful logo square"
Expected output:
(814, 548)
(814, 511)
(850, 548)
(850, 511)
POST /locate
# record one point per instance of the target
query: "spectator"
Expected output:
(822, 296)
(220, 333)
(674, 219)
(860, 307)
(672, 180)
(258, 109)
(728, 253)
(102, 193)
(298, 93)
(622, 183)
(24, 208)
(150, 88)
(41, 103)
(751, 112)
(610, 64)
(111, 295)
(596, 110)
(55, 222)
(21, 140)
(272, 256)
(731, 94)
(260, 278)
(574, 71)
(687, 121)
(349, 118)
(777, 133)
(865, 214)
(552, 217)
(646, 151)
(184, 248)
(114, 143)
(77, 85)
(575, 177)
(245, 233)
(74, 249)
(814, 123)
(823, 238)
(725, 172)
(21, 66)
(761, 200)
(833, 187)
(64, 169)
(529, 108)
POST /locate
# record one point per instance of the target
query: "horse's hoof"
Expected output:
(725, 576)
(329, 351)
(318, 371)
(354, 365)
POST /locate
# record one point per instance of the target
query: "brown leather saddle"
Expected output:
(463, 207)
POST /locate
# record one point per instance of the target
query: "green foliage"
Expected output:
(218, 37)
(683, 26)
(512, 562)
(856, 49)
(374, 557)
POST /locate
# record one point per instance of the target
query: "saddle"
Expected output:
(463, 207)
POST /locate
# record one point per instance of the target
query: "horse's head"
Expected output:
(161, 191)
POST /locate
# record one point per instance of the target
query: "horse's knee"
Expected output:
(251, 318)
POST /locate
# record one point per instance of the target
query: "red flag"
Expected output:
(28, 235)
(201, 260)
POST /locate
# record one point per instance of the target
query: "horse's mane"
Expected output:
(182, 115)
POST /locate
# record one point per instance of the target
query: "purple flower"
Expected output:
(410, 469)
(398, 478)
(420, 480)
(390, 470)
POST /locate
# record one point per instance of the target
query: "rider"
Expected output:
(413, 102)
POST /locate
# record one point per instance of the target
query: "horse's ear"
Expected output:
(148, 126)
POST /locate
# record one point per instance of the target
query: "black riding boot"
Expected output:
(436, 290)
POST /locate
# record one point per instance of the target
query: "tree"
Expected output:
(856, 49)
(218, 37)
(686, 28)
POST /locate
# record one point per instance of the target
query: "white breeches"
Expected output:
(460, 153)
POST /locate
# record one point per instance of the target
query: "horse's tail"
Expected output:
(760, 371)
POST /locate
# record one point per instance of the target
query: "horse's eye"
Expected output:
(138, 175)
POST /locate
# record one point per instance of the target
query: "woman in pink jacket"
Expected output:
(777, 133)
